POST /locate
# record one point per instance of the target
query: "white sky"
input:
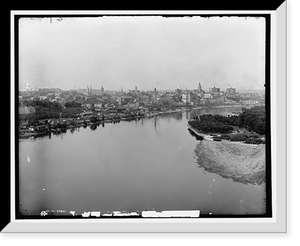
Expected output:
(146, 52)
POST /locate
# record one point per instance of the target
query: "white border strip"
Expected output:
(170, 214)
(184, 225)
(12, 119)
(137, 12)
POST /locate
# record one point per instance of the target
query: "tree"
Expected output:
(260, 127)
(72, 104)
(93, 119)
(254, 119)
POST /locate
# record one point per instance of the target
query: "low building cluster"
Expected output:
(99, 99)
(103, 105)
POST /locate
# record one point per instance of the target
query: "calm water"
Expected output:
(148, 164)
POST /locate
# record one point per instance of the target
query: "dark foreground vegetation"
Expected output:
(208, 123)
(248, 127)
(253, 119)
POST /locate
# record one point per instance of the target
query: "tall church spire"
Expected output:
(199, 88)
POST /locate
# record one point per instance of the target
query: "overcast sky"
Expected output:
(146, 52)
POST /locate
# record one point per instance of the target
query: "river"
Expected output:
(148, 164)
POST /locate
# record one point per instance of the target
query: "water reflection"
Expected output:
(126, 166)
(172, 115)
(188, 114)
(93, 127)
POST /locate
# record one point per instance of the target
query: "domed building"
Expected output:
(27, 88)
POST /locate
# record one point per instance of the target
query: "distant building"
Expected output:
(200, 91)
(87, 113)
(186, 97)
(98, 106)
(89, 90)
(194, 98)
(125, 100)
(230, 91)
(250, 101)
(178, 91)
(27, 88)
(131, 105)
(214, 90)
(218, 99)
(42, 97)
(102, 90)
(199, 88)
(86, 105)
(119, 100)
(207, 96)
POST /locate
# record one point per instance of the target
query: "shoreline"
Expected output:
(233, 160)
(199, 134)
(219, 137)
(236, 160)
(43, 129)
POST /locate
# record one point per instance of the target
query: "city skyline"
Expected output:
(121, 89)
(148, 52)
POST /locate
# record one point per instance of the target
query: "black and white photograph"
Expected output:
(143, 116)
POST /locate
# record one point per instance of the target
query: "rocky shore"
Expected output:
(241, 162)
(239, 155)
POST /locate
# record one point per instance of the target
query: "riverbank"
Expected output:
(238, 135)
(44, 127)
(248, 127)
(241, 162)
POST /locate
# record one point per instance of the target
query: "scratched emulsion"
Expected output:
(134, 166)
